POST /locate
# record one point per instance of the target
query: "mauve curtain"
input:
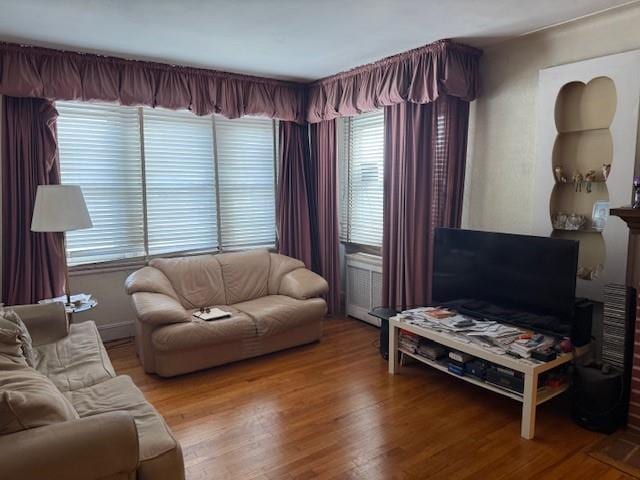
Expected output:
(43, 72)
(295, 203)
(425, 152)
(324, 161)
(419, 76)
(32, 263)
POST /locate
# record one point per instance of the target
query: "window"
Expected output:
(247, 200)
(100, 150)
(361, 179)
(180, 182)
(160, 182)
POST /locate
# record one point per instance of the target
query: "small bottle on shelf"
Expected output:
(636, 192)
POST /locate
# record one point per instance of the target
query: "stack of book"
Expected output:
(457, 361)
(617, 325)
(431, 350)
(408, 341)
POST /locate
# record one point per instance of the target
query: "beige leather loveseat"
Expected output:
(70, 417)
(273, 300)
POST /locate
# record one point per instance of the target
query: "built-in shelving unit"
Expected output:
(583, 145)
(587, 117)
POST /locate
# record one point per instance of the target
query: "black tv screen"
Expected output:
(507, 275)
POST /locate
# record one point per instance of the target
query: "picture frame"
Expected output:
(600, 215)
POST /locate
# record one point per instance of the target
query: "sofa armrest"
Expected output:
(95, 447)
(303, 284)
(47, 323)
(158, 309)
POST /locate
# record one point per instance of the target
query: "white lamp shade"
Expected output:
(59, 208)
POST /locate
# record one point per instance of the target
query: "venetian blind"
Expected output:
(99, 147)
(362, 173)
(180, 182)
(246, 181)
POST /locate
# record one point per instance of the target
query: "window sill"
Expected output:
(139, 262)
(359, 248)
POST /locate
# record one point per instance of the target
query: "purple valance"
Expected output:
(57, 75)
(417, 76)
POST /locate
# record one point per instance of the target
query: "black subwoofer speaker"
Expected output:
(384, 314)
(598, 397)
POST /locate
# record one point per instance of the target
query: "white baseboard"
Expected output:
(116, 331)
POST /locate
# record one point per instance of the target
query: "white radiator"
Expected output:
(364, 285)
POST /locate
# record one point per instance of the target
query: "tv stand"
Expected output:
(531, 396)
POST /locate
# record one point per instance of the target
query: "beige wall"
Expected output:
(501, 160)
(114, 314)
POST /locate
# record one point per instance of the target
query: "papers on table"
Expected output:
(212, 313)
(496, 337)
(77, 299)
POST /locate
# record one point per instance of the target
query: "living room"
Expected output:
(319, 239)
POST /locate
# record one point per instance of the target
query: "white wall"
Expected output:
(501, 158)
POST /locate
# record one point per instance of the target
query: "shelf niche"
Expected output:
(582, 107)
(583, 115)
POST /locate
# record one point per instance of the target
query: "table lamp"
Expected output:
(60, 208)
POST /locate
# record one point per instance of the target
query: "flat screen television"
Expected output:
(520, 279)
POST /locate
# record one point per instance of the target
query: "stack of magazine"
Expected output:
(617, 326)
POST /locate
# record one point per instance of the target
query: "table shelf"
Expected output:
(544, 394)
(531, 369)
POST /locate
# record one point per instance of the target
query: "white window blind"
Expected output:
(180, 182)
(99, 149)
(246, 179)
(161, 182)
(362, 173)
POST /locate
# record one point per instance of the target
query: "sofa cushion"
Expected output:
(28, 399)
(245, 274)
(279, 266)
(149, 279)
(10, 345)
(278, 313)
(8, 319)
(199, 333)
(77, 360)
(11, 362)
(197, 280)
(303, 284)
(120, 394)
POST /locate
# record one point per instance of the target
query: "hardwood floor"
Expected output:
(331, 411)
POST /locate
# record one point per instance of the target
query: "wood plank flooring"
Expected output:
(331, 411)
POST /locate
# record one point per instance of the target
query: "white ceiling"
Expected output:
(289, 39)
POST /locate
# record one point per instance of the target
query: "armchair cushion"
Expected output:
(158, 309)
(303, 284)
(28, 399)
